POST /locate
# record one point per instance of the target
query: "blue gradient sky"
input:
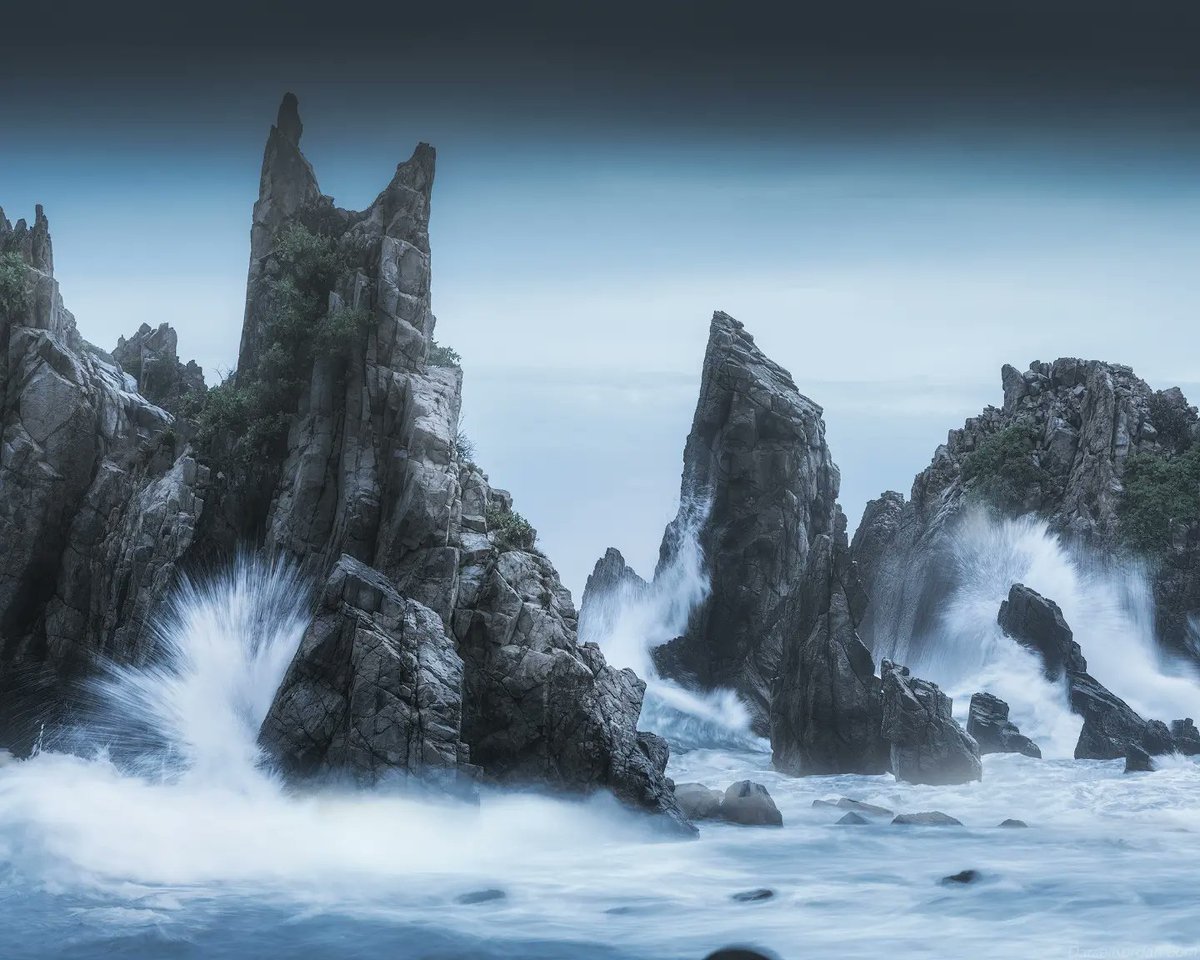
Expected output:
(891, 252)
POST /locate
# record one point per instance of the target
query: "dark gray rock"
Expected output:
(927, 745)
(1137, 760)
(962, 877)
(1110, 725)
(611, 585)
(99, 500)
(1080, 423)
(758, 474)
(1011, 823)
(826, 711)
(853, 819)
(698, 802)
(151, 357)
(1037, 623)
(876, 532)
(754, 896)
(855, 806)
(374, 691)
(988, 723)
(749, 803)
(931, 818)
(490, 895)
(1186, 737)
(739, 953)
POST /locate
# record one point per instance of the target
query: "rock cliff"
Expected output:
(98, 500)
(1065, 445)
(444, 644)
(757, 467)
(826, 707)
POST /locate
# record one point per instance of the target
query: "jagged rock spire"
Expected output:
(757, 456)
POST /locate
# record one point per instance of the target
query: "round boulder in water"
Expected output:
(930, 818)
(963, 876)
(749, 803)
(740, 953)
(853, 819)
(697, 801)
(1010, 822)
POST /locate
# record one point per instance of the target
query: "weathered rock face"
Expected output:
(1186, 737)
(826, 709)
(96, 504)
(750, 804)
(988, 723)
(927, 745)
(1037, 623)
(757, 457)
(374, 691)
(1058, 447)
(611, 584)
(1110, 725)
(435, 640)
(151, 357)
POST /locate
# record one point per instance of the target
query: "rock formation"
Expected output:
(1059, 447)
(374, 691)
(444, 644)
(988, 723)
(98, 501)
(826, 708)
(151, 357)
(1110, 725)
(759, 485)
(927, 745)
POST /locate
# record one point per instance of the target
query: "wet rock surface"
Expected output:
(750, 804)
(758, 471)
(988, 723)
(827, 708)
(930, 818)
(927, 745)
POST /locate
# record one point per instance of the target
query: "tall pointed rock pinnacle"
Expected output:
(757, 469)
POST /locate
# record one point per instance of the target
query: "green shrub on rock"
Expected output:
(510, 530)
(1159, 491)
(440, 356)
(1004, 471)
(14, 286)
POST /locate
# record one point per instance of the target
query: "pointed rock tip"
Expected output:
(288, 121)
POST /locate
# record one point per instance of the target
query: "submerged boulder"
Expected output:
(927, 745)
(988, 723)
(749, 803)
(929, 818)
(1137, 760)
(698, 802)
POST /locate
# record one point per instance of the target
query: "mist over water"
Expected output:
(1108, 604)
(164, 834)
(631, 620)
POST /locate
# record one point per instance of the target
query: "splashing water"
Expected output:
(1108, 605)
(635, 617)
(223, 647)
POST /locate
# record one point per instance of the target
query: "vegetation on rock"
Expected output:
(440, 356)
(14, 289)
(252, 409)
(510, 530)
(1159, 491)
(1003, 470)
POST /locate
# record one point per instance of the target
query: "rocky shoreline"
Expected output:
(444, 650)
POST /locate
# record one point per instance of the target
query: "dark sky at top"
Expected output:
(698, 62)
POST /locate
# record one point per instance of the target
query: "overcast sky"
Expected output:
(894, 205)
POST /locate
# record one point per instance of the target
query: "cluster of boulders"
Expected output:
(744, 802)
(1111, 728)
